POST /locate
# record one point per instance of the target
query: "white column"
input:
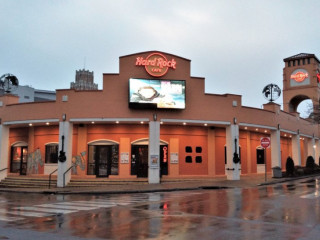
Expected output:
(232, 169)
(4, 148)
(154, 152)
(275, 149)
(296, 149)
(66, 130)
(311, 148)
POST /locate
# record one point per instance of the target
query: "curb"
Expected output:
(102, 191)
(288, 179)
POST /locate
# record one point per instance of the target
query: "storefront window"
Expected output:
(51, 153)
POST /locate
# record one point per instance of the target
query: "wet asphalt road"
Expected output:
(283, 211)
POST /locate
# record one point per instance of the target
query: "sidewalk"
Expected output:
(168, 185)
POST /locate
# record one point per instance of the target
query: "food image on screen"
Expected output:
(147, 93)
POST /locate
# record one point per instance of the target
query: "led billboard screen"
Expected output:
(157, 94)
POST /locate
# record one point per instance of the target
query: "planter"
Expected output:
(276, 172)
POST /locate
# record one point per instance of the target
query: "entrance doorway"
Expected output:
(139, 160)
(103, 160)
(260, 160)
(260, 156)
(19, 158)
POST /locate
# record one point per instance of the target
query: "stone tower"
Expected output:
(84, 81)
(301, 77)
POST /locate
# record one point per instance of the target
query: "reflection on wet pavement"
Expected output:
(284, 211)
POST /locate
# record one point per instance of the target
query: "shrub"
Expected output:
(289, 167)
(310, 162)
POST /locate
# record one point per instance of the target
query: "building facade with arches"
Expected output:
(154, 121)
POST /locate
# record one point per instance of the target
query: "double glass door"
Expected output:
(103, 160)
(139, 160)
(19, 158)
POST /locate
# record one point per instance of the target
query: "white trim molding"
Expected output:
(108, 120)
(257, 126)
(50, 120)
(166, 120)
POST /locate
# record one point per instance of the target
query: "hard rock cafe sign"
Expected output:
(156, 64)
(299, 76)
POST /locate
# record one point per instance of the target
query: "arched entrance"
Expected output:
(19, 158)
(295, 101)
(103, 158)
(139, 158)
(306, 108)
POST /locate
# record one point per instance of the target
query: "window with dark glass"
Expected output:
(188, 149)
(289, 63)
(308, 60)
(198, 159)
(114, 160)
(198, 149)
(51, 155)
(298, 62)
(188, 159)
(260, 156)
(303, 61)
(293, 63)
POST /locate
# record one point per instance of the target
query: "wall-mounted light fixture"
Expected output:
(64, 117)
(154, 117)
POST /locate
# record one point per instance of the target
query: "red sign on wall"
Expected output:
(265, 142)
(299, 76)
(156, 64)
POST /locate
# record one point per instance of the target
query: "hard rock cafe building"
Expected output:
(152, 120)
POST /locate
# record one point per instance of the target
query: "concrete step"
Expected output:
(24, 186)
(104, 182)
(26, 182)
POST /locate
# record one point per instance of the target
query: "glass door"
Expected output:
(19, 158)
(139, 160)
(103, 161)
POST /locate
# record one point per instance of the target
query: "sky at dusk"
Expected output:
(238, 46)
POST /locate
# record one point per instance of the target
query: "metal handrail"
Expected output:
(50, 177)
(64, 175)
(3, 169)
